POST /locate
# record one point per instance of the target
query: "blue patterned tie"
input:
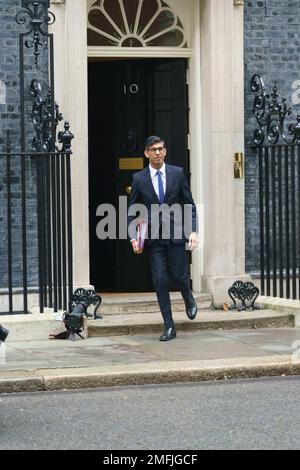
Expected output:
(160, 188)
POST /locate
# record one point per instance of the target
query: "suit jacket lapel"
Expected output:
(149, 185)
(169, 179)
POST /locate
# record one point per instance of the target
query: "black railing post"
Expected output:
(65, 137)
(59, 233)
(274, 223)
(267, 219)
(40, 232)
(54, 228)
(293, 223)
(49, 231)
(280, 222)
(287, 224)
(261, 218)
(64, 225)
(23, 176)
(9, 230)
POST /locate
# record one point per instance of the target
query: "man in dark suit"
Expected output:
(161, 187)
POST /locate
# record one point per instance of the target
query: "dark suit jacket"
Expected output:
(177, 192)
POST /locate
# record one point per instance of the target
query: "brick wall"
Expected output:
(272, 49)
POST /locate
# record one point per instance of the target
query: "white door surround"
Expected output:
(214, 30)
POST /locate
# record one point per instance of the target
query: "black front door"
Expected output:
(128, 101)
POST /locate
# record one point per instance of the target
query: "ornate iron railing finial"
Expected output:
(35, 13)
(272, 112)
(65, 138)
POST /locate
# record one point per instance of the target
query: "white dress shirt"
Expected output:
(154, 178)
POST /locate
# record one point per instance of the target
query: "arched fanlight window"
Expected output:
(134, 23)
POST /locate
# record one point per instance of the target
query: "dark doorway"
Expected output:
(128, 101)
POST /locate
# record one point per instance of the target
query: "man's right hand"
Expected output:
(135, 247)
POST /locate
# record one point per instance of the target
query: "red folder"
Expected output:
(141, 235)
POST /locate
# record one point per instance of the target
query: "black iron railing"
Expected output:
(37, 186)
(51, 218)
(277, 146)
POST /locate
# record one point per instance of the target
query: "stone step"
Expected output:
(135, 324)
(37, 326)
(117, 304)
(30, 327)
(125, 314)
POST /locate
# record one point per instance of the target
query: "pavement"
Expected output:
(123, 348)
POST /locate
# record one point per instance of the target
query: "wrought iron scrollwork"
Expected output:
(74, 319)
(44, 123)
(273, 116)
(35, 13)
(87, 297)
(243, 291)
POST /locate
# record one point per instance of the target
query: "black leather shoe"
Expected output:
(190, 307)
(169, 333)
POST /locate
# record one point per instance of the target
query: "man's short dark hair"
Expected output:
(153, 139)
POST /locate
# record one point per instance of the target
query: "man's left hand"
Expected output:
(193, 241)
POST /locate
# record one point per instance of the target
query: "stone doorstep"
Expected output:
(133, 324)
(140, 306)
(207, 320)
(38, 326)
(150, 373)
(286, 306)
(137, 297)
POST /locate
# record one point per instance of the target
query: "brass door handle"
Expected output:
(238, 165)
(128, 190)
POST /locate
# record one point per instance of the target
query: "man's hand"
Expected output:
(193, 241)
(135, 247)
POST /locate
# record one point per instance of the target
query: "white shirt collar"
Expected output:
(153, 171)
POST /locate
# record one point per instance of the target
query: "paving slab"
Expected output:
(65, 353)
(196, 345)
(142, 350)
(123, 348)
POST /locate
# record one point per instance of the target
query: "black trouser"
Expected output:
(169, 267)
